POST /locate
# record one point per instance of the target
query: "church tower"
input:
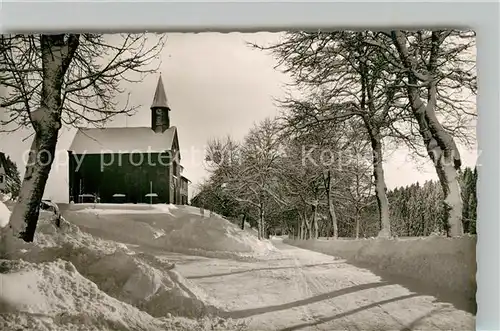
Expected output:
(160, 120)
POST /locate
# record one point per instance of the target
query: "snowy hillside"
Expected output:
(178, 229)
(4, 215)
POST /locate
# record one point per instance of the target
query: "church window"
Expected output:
(158, 116)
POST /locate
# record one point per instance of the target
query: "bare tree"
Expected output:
(314, 175)
(56, 79)
(247, 171)
(437, 64)
(365, 74)
(358, 177)
(344, 78)
(306, 177)
(221, 155)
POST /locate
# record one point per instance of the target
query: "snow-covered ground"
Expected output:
(178, 229)
(444, 263)
(299, 289)
(167, 268)
(70, 280)
(4, 213)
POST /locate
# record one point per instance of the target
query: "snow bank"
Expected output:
(69, 280)
(166, 208)
(188, 230)
(138, 279)
(179, 229)
(54, 296)
(5, 211)
(5, 197)
(446, 263)
(4, 214)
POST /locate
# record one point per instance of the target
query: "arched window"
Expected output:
(159, 117)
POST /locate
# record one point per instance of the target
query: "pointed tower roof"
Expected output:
(160, 98)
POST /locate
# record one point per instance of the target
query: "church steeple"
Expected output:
(160, 120)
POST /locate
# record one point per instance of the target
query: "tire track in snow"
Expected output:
(303, 288)
(339, 297)
(318, 285)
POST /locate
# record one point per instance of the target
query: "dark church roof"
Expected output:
(160, 98)
(122, 140)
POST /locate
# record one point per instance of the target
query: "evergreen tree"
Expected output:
(13, 178)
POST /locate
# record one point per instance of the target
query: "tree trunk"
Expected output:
(440, 145)
(302, 228)
(331, 208)
(25, 215)
(57, 52)
(357, 220)
(267, 232)
(449, 179)
(315, 220)
(445, 156)
(308, 226)
(261, 224)
(243, 221)
(380, 188)
(259, 229)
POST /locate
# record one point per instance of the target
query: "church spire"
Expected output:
(160, 119)
(160, 98)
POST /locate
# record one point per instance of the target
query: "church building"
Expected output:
(129, 164)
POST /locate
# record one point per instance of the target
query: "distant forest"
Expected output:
(418, 210)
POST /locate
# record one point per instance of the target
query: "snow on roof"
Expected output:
(122, 140)
(160, 98)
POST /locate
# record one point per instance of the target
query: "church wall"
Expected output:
(129, 174)
(171, 186)
(175, 188)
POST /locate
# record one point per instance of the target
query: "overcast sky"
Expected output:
(216, 85)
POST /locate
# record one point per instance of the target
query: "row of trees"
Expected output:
(415, 210)
(361, 94)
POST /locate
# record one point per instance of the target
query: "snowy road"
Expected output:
(293, 288)
(296, 289)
